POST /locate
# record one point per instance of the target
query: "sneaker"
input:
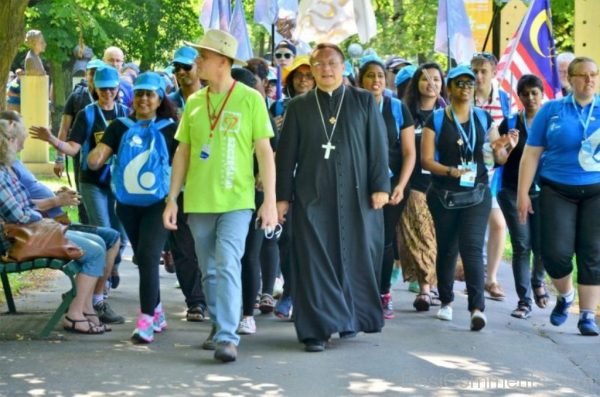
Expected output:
(144, 330)
(106, 314)
(478, 320)
(284, 307)
(387, 306)
(266, 304)
(160, 320)
(560, 313)
(226, 352)
(209, 343)
(278, 288)
(247, 326)
(413, 286)
(196, 313)
(587, 324)
(396, 275)
(445, 313)
(106, 290)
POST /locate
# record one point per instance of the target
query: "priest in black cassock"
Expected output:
(332, 163)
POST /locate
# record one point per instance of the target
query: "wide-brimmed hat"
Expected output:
(220, 42)
(298, 61)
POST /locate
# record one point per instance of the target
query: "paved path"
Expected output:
(416, 355)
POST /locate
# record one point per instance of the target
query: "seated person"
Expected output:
(49, 205)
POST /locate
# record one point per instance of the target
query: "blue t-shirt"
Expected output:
(558, 128)
(36, 190)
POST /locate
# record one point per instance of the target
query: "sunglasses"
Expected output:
(181, 66)
(108, 88)
(464, 83)
(488, 56)
(286, 55)
(142, 93)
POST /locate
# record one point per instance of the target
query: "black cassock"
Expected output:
(337, 237)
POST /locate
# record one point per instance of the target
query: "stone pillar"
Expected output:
(35, 111)
(587, 29)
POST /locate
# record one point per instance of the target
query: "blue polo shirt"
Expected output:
(558, 128)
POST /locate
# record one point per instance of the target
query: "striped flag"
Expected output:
(215, 14)
(531, 51)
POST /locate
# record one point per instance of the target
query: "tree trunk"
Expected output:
(12, 35)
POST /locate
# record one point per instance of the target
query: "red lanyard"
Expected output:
(214, 123)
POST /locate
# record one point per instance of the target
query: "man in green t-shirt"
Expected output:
(220, 129)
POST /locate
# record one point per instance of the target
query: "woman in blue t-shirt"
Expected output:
(564, 143)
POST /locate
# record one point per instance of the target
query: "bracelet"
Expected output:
(449, 171)
(170, 199)
(59, 160)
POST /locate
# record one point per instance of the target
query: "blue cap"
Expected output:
(370, 58)
(460, 70)
(185, 55)
(347, 69)
(150, 81)
(106, 77)
(95, 64)
(405, 74)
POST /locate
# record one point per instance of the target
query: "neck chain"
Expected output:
(332, 120)
(213, 115)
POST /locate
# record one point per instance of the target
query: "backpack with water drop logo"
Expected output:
(141, 171)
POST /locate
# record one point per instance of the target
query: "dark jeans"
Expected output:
(189, 276)
(525, 239)
(570, 226)
(285, 253)
(391, 216)
(261, 256)
(144, 226)
(460, 230)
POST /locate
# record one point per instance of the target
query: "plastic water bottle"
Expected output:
(488, 156)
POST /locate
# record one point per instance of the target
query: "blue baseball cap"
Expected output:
(460, 70)
(370, 58)
(106, 77)
(151, 81)
(95, 64)
(348, 71)
(405, 74)
(185, 55)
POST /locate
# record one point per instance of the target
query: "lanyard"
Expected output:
(102, 115)
(524, 120)
(213, 123)
(470, 138)
(585, 124)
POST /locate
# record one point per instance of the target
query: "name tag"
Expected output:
(468, 178)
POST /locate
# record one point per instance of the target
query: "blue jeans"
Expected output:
(219, 241)
(94, 252)
(99, 204)
(525, 239)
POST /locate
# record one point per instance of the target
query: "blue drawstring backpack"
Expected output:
(141, 171)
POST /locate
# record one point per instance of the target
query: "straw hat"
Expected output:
(220, 42)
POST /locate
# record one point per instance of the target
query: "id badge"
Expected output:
(205, 152)
(468, 178)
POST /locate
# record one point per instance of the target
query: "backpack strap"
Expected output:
(481, 115)
(89, 113)
(438, 120)
(163, 123)
(398, 116)
(126, 121)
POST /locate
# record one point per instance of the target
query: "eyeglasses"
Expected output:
(141, 93)
(286, 55)
(321, 65)
(300, 76)
(464, 83)
(586, 75)
(181, 66)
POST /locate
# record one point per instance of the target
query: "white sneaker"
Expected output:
(247, 326)
(445, 313)
(278, 288)
(478, 321)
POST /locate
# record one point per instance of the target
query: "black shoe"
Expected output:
(226, 352)
(209, 343)
(314, 346)
(347, 335)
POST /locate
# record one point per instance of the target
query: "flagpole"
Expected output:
(495, 15)
(448, 35)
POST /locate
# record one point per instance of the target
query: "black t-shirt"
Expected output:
(115, 131)
(394, 142)
(449, 151)
(79, 134)
(510, 174)
(420, 179)
(79, 98)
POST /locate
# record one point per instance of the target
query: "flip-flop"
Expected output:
(92, 330)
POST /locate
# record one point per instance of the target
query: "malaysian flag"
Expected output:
(531, 51)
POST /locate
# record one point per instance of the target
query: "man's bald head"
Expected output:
(114, 56)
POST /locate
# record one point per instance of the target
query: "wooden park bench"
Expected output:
(69, 268)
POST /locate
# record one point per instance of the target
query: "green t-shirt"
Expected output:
(224, 181)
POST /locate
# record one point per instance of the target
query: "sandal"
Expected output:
(435, 298)
(422, 302)
(541, 300)
(98, 323)
(196, 313)
(92, 328)
(522, 311)
(495, 291)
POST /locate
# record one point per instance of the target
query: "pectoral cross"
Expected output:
(328, 148)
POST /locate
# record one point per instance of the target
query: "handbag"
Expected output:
(41, 239)
(457, 200)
